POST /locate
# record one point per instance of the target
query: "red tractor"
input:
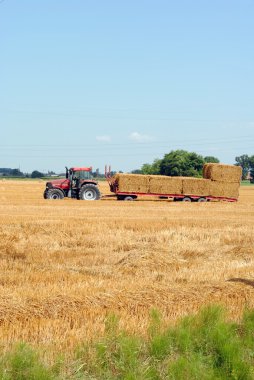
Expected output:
(78, 184)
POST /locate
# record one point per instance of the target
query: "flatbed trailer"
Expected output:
(131, 196)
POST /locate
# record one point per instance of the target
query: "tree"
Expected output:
(182, 163)
(37, 174)
(153, 168)
(244, 162)
(251, 166)
(16, 173)
(211, 159)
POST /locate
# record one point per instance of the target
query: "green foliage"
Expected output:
(37, 174)
(117, 355)
(153, 168)
(23, 364)
(193, 367)
(16, 173)
(11, 172)
(251, 164)
(245, 162)
(182, 163)
(211, 159)
(178, 163)
(204, 346)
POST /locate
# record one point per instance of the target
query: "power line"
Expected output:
(136, 144)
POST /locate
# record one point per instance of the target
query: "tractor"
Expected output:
(78, 184)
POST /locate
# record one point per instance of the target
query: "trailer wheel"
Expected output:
(202, 200)
(186, 199)
(54, 194)
(128, 198)
(89, 192)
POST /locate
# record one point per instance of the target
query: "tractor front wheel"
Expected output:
(89, 192)
(53, 194)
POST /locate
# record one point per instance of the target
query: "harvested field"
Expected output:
(66, 264)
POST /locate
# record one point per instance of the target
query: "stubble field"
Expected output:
(67, 264)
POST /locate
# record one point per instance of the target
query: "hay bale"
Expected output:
(223, 189)
(136, 183)
(196, 186)
(222, 173)
(159, 184)
(205, 171)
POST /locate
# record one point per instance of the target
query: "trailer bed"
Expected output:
(128, 196)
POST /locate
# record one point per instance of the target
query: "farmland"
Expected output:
(65, 265)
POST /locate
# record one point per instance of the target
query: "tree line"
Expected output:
(8, 172)
(174, 163)
(190, 164)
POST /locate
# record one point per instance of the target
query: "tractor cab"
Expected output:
(78, 175)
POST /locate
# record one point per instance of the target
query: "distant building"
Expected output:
(249, 177)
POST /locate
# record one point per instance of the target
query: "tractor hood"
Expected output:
(61, 182)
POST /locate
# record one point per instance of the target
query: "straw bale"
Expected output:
(165, 185)
(196, 186)
(223, 189)
(133, 183)
(222, 173)
(205, 171)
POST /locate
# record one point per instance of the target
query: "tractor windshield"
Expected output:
(82, 174)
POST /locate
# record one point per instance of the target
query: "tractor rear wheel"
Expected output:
(54, 194)
(89, 192)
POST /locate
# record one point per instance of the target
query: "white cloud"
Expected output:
(138, 137)
(104, 138)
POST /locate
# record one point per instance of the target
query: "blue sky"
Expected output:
(124, 82)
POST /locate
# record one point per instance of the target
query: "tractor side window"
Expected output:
(85, 175)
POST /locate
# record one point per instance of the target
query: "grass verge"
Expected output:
(204, 346)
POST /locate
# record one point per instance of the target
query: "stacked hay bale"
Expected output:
(196, 186)
(219, 181)
(136, 183)
(225, 179)
(155, 184)
(159, 184)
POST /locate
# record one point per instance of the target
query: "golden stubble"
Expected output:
(65, 265)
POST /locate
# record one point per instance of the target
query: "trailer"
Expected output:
(133, 195)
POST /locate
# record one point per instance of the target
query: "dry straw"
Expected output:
(222, 173)
(196, 186)
(223, 189)
(219, 181)
(67, 264)
(165, 185)
(133, 183)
